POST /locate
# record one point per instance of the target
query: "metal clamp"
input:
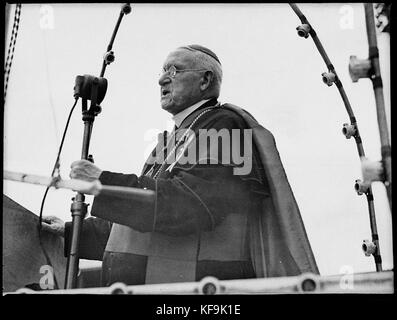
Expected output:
(361, 187)
(118, 288)
(209, 286)
(372, 170)
(349, 130)
(359, 68)
(126, 8)
(328, 78)
(368, 247)
(303, 30)
(308, 282)
(109, 57)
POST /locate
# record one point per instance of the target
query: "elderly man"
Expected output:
(214, 215)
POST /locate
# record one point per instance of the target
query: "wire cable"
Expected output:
(50, 96)
(55, 170)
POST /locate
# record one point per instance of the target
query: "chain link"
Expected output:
(180, 141)
(11, 48)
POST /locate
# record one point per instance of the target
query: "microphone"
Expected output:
(84, 85)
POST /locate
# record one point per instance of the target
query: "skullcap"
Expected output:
(197, 47)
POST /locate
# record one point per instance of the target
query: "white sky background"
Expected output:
(268, 70)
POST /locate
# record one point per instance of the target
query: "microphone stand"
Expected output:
(88, 88)
(79, 207)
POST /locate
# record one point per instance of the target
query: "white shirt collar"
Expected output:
(179, 117)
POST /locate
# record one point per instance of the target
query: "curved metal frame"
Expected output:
(329, 78)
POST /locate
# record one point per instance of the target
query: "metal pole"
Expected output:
(379, 98)
(79, 211)
(92, 188)
(307, 283)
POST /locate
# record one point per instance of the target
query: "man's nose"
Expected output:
(164, 79)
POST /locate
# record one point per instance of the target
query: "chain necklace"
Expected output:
(180, 141)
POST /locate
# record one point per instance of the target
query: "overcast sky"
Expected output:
(268, 70)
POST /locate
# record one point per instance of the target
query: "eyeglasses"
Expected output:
(172, 71)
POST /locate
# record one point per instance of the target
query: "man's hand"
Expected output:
(84, 170)
(54, 225)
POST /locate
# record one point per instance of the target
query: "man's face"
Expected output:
(183, 90)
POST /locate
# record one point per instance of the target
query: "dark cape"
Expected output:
(258, 209)
(279, 246)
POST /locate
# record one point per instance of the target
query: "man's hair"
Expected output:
(206, 59)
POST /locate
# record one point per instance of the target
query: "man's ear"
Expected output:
(206, 80)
